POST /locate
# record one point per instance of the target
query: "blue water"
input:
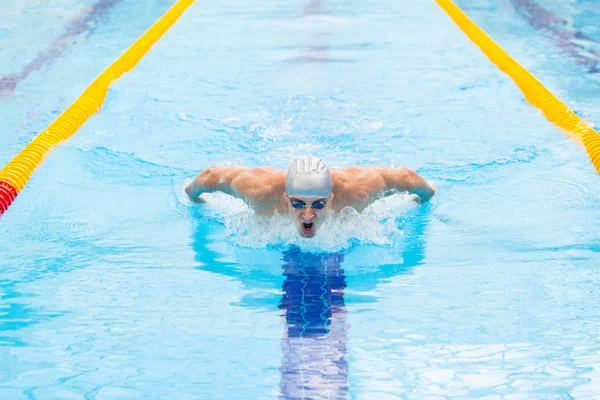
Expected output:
(114, 286)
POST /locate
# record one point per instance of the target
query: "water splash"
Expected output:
(377, 225)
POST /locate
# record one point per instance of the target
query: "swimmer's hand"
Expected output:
(432, 186)
(418, 199)
(415, 198)
(199, 200)
(194, 193)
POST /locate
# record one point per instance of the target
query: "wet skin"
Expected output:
(308, 219)
(263, 189)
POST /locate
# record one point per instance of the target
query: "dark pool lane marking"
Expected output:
(317, 50)
(313, 347)
(541, 19)
(58, 47)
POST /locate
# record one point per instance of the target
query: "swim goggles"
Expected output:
(299, 204)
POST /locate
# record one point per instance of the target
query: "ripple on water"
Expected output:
(478, 171)
(129, 168)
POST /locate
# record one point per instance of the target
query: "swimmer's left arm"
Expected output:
(407, 180)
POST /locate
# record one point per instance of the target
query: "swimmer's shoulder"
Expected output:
(261, 175)
(261, 186)
(357, 187)
(265, 170)
(355, 176)
(347, 188)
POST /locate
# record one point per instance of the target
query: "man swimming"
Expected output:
(308, 190)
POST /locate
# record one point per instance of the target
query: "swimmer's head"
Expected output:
(308, 188)
(308, 176)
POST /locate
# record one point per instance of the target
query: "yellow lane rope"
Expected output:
(554, 109)
(17, 172)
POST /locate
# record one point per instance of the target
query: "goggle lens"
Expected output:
(318, 205)
(297, 205)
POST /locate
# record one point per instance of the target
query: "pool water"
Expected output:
(114, 286)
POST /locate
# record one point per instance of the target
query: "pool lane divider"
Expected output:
(535, 92)
(18, 171)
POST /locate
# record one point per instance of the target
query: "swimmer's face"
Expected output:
(308, 213)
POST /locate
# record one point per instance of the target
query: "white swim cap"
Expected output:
(308, 176)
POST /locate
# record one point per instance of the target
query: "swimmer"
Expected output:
(308, 189)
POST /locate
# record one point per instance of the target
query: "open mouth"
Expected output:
(307, 227)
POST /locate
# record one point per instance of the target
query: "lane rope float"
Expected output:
(18, 171)
(533, 90)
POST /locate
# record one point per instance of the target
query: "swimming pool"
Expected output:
(112, 285)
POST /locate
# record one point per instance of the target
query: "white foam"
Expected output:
(182, 116)
(375, 225)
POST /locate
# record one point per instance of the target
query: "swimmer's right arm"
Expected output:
(215, 178)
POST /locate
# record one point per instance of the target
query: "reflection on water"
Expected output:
(13, 314)
(19, 309)
(313, 303)
(313, 363)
